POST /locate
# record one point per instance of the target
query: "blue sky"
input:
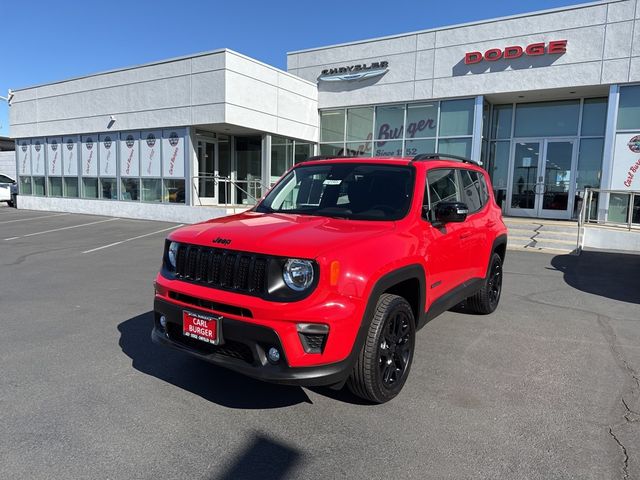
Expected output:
(43, 41)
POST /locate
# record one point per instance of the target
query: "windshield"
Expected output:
(346, 190)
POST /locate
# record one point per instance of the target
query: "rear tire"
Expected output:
(486, 300)
(383, 364)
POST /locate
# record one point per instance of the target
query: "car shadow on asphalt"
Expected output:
(210, 382)
(264, 458)
(610, 275)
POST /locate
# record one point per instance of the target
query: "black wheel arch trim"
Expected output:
(384, 283)
(499, 241)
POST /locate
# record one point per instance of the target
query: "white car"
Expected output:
(7, 187)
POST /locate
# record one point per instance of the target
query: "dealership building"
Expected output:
(548, 101)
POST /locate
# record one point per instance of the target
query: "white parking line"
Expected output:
(34, 218)
(63, 228)
(132, 238)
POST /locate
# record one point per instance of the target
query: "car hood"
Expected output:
(287, 235)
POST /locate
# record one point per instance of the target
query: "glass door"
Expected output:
(542, 180)
(207, 172)
(557, 183)
(524, 178)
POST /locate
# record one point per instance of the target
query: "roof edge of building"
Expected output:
(160, 62)
(458, 25)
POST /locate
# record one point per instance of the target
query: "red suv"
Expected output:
(327, 279)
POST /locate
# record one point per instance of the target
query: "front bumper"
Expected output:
(244, 350)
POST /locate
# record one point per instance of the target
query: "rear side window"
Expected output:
(441, 187)
(471, 193)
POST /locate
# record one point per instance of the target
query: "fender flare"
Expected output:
(408, 272)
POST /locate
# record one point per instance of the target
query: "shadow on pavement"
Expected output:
(263, 458)
(610, 275)
(215, 384)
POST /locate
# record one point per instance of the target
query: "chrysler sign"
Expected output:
(354, 72)
(556, 47)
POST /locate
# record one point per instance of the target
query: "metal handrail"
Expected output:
(251, 185)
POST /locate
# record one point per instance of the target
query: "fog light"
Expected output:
(273, 355)
(163, 321)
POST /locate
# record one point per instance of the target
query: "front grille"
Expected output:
(217, 306)
(231, 349)
(227, 269)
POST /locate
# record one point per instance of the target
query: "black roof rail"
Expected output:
(326, 157)
(443, 156)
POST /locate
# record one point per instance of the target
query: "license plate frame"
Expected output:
(201, 326)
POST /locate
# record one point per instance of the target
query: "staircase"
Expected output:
(540, 235)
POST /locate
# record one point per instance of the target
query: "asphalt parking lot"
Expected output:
(546, 387)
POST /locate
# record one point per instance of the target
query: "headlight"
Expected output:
(172, 254)
(298, 274)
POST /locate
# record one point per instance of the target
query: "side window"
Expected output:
(474, 190)
(471, 190)
(484, 190)
(441, 187)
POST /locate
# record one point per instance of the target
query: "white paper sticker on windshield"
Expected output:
(332, 182)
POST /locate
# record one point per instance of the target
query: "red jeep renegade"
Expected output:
(327, 279)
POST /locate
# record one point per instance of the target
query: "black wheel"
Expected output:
(384, 361)
(487, 298)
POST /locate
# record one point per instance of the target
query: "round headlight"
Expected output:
(298, 274)
(172, 254)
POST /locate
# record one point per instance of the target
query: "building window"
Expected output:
(547, 119)
(130, 189)
(302, 151)
(25, 185)
(70, 187)
(151, 190)
(332, 126)
(55, 186)
(174, 191)
(108, 188)
(594, 117)
(501, 121)
(38, 186)
(281, 156)
(399, 129)
(456, 117)
(359, 124)
(248, 184)
(89, 187)
(629, 108)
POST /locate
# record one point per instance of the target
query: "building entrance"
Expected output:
(542, 178)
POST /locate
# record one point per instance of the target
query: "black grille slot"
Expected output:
(242, 279)
(259, 275)
(313, 342)
(227, 269)
(217, 306)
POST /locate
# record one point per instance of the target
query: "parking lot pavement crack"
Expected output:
(630, 389)
(630, 416)
(625, 455)
(622, 362)
(22, 258)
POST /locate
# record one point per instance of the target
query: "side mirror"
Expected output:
(447, 212)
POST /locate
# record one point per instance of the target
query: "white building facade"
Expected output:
(548, 101)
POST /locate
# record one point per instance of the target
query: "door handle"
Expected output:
(490, 223)
(465, 235)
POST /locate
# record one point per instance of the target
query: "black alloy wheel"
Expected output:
(395, 348)
(486, 299)
(384, 361)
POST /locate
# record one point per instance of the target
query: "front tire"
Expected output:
(486, 299)
(384, 361)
